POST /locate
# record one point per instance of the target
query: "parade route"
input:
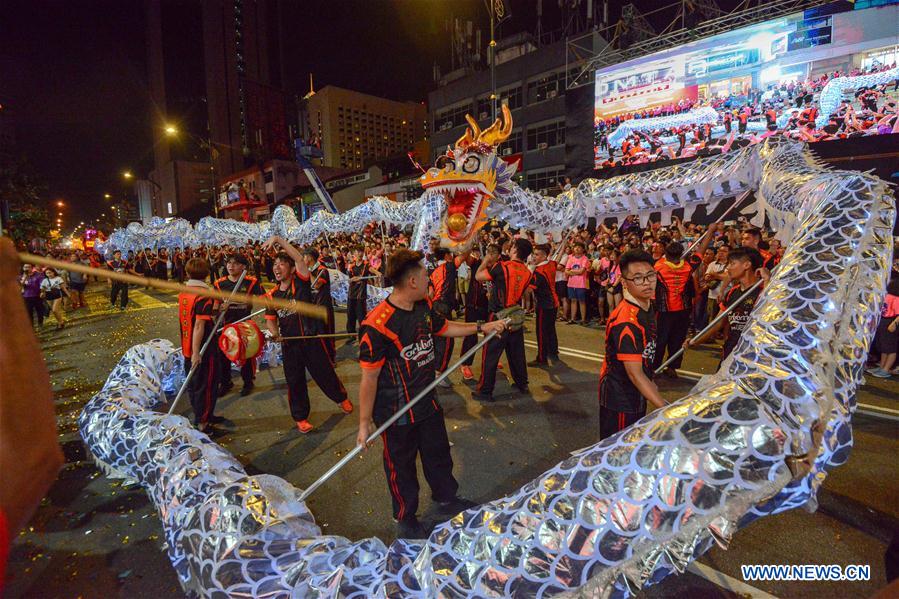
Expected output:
(94, 537)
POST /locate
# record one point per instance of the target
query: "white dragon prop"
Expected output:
(754, 439)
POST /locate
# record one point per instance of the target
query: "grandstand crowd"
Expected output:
(787, 108)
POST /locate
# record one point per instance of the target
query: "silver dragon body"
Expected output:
(754, 439)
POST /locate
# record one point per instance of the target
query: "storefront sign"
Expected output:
(722, 62)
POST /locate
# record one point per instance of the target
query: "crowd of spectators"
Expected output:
(787, 108)
(588, 280)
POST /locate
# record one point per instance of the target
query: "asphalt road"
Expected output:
(94, 538)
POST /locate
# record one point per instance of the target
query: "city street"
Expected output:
(93, 537)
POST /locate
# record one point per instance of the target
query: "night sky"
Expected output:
(74, 73)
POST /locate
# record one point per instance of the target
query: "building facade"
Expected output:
(354, 129)
(214, 75)
(531, 80)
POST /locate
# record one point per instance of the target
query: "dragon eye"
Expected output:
(443, 161)
(471, 164)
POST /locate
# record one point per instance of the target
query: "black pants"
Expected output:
(35, 306)
(472, 314)
(513, 344)
(612, 421)
(329, 328)
(355, 312)
(203, 387)
(247, 371)
(671, 332)
(119, 290)
(402, 444)
(547, 340)
(312, 355)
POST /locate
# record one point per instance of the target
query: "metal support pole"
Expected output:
(736, 203)
(709, 327)
(355, 451)
(248, 317)
(218, 322)
(493, 97)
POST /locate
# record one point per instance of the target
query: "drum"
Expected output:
(241, 341)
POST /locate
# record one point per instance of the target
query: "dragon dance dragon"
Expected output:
(752, 440)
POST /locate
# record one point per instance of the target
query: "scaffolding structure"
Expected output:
(583, 57)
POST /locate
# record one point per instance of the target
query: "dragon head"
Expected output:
(469, 176)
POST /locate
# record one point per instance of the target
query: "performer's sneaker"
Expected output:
(537, 363)
(523, 389)
(247, 388)
(304, 426)
(347, 406)
(226, 388)
(410, 528)
(499, 365)
(455, 506)
(445, 383)
(671, 373)
(483, 397)
(467, 374)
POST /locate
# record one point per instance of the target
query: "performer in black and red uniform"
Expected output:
(547, 306)
(674, 303)
(396, 353)
(475, 306)
(300, 355)
(237, 310)
(625, 381)
(510, 279)
(195, 317)
(744, 267)
(357, 297)
(443, 281)
(321, 296)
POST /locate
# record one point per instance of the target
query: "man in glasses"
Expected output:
(625, 381)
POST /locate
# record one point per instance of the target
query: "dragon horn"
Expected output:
(475, 130)
(472, 133)
(499, 131)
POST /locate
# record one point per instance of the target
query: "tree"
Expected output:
(20, 195)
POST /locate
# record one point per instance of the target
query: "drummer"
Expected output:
(237, 310)
(299, 355)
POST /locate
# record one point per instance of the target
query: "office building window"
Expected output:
(545, 179)
(449, 118)
(546, 136)
(510, 97)
(513, 145)
(546, 88)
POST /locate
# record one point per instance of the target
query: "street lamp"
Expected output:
(107, 196)
(60, 203)
(127, 175)
(171, 130)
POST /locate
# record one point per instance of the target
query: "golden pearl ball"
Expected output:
(456, 222)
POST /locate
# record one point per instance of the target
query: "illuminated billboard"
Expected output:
(734, 72)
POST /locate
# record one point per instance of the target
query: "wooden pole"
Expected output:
(259, 301)
(322, 336)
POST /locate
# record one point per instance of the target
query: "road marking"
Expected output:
(728, 583)
(863, 408)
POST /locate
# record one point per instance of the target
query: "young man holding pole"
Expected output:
(321, 295)
(744, 268)
(625, 381)
(509, 280)
(237, 310)
(547, 306)
(293, 278)
(443, 302)
(396, 354)
(195, 317)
